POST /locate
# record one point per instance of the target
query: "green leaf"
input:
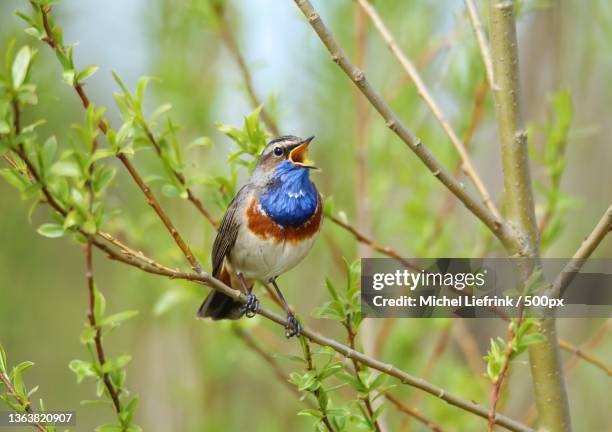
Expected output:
(23, 366)
(118, 318)
(20, 66)
(110, 428)
(160, 110)
(69, 76)
(86, 73)
(116, 363)
(73, 218)
(88, 334)
(99, 306)
(310, 413)
(290, 357)
(49, 149)
(51, 230)
(14, 178)
(66, 168)
(82, 369)
(103, 177)
(200, 142)
(3, 364)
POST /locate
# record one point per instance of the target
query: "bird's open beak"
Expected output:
(299, 154)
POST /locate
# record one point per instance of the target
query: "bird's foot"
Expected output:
(251, 306)
(293, 327)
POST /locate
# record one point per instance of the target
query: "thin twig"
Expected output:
(113, 392)
(280, 374)
(423, 91)
(317, 392)
(586, 356)
(499, 381)
(367, 401)
(25, 403)
(412, 412)
(499, 228)
(483, 45)
(385, 250)
(180, 177)
(585, 250)
(230, 42)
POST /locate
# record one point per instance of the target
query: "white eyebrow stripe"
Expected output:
(296, 194)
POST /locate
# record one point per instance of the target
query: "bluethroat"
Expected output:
(269, 227)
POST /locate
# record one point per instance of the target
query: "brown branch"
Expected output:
(390, 252)
(591, 344)
(586, 356)
(367, 401)
(266, 357)
(180, 178)
(585, 250)
(317, 392)
(412, 412)
(25, 403)
(113, 392)
(232, 46)
(498, 383)
(423, 91)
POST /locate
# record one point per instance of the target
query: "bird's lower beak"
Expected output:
(299, 154)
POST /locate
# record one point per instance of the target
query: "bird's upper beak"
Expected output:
(299, 154)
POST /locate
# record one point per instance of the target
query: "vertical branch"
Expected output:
(361, 136)
(512, 136)
(310, 367)
(367, 401)
(113, 392)
(481, 39)
(549, 386)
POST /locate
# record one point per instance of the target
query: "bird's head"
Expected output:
(283, 155)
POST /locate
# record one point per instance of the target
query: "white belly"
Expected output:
(261, 259)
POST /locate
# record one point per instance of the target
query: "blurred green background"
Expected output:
(198, 376)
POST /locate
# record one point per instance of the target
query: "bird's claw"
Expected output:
(251, 306)
(293, 327)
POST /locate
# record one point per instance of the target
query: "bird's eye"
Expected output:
(278, 151)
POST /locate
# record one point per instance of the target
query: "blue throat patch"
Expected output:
(292, 199)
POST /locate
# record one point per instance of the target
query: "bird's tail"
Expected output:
(218, 306)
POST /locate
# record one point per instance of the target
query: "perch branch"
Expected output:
(423, 91)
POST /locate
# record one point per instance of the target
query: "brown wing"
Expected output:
(228, 231)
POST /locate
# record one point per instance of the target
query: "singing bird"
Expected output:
(269, 227)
